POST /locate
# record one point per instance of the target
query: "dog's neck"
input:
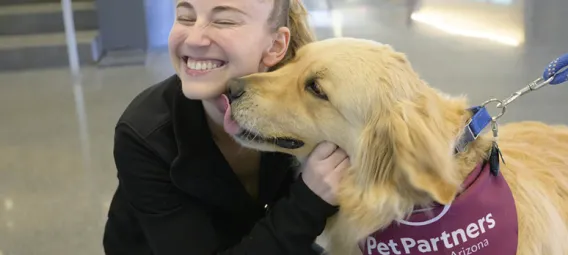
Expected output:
(477, 152)
(459, 115)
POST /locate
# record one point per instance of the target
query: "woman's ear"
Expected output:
(276, 52)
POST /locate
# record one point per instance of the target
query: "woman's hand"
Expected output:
(323, 169)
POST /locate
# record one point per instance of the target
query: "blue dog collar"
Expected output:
(479, 120)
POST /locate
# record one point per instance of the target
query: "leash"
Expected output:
(555, 73)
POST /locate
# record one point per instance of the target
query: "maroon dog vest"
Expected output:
(481, 220)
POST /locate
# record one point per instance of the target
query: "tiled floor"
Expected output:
(56, 169)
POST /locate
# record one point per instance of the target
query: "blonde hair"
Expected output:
(294, 15)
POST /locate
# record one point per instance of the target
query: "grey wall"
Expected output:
(546, 24)
(133, 26)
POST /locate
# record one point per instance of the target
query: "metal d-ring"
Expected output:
(499, 103)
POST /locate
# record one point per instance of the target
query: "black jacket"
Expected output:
(178, 195)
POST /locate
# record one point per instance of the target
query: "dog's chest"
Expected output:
(482, 220)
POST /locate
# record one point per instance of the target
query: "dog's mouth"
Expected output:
(283, 142)
(233, 128)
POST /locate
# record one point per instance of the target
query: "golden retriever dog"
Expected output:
(400, 134)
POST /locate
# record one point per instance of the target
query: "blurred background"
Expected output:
(59, 104)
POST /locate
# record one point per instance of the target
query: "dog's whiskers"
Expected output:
(272, 127)
(253, 127)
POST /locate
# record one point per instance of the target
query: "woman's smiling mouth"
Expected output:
(196, 67)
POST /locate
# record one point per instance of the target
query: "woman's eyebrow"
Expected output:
(226, 8)
(184, 5)
(217, 9)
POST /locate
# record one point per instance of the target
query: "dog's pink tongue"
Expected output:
(230, 125)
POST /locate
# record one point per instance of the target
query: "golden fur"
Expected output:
(400, 134)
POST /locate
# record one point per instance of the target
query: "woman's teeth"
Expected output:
(203, 65)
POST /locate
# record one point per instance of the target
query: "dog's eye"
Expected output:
(313, 87)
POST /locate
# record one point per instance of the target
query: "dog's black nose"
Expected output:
(236, 89)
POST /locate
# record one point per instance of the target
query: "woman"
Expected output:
(185, 187)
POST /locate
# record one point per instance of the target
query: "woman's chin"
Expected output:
(202, 90)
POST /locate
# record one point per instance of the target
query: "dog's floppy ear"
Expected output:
(406, 142)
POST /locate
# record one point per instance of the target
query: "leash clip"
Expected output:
(535, 85)
(555, 73)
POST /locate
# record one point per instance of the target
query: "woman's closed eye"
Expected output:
(185, 19)
(225, 22)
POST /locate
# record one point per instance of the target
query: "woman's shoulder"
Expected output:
(152, 107)
(147, 120)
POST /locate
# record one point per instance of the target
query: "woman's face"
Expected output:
(213, 41)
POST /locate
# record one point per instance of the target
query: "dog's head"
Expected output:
(364, 97)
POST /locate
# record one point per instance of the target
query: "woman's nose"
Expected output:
(198, 36)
